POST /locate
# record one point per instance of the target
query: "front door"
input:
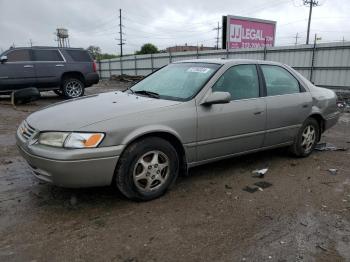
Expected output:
(235, 127)
(18, 71)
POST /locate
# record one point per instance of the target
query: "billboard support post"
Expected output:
(227, 52)
(265, 50)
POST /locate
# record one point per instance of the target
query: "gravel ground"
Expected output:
(302, 215)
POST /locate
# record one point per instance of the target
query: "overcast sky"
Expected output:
(164, 23)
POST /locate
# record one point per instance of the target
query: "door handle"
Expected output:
(258, 113)
(305, 106)
(28, 66)
(59, 65)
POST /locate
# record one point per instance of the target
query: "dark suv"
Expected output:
(66, 71)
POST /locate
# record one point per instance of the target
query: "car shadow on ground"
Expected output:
(53, 196)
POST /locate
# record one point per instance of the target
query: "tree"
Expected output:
(148, 49)
(95, 51)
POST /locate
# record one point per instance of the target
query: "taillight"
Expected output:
(94, 66)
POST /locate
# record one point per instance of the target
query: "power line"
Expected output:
(217, 35)
(121, 43)
(311, 3)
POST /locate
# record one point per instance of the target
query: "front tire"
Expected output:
(147, 169)
(73, 87)
(306, 139)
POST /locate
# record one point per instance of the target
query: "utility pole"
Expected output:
(30, 42)
(121, 43)
(311, 3)
(296, 38)
(218, 35)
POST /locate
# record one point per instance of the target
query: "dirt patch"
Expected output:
(301, 213)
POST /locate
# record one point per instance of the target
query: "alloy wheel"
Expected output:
(308, 138)
(151, 171)
(74, 88)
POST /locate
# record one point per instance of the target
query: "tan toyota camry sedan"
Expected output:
(185, 114)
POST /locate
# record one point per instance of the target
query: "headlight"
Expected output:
(52, 138)
(71, 140)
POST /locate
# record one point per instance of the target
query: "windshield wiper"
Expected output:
(147, 93)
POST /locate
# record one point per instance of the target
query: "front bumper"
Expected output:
(72, 168)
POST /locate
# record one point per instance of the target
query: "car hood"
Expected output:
(74, 114)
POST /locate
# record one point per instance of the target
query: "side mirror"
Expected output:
(218, 98)
(3, 59)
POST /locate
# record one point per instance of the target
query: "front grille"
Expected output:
(26, 130)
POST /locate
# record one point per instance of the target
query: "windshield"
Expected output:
(177, 81)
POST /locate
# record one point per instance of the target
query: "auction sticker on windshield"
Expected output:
(202, 70)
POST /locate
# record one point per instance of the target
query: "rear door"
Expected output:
(288, 105)
(18, 71)
(50, 65)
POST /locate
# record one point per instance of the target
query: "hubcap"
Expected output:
(74, 88)
(308, 138)
(151, 171)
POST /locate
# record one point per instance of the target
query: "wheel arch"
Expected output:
(166, 134)
(76, 74)
(320, 120)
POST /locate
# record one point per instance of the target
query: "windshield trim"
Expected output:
(178, 98)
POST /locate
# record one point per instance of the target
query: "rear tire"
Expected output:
(147, 169)
(73, 87)
(307, 138)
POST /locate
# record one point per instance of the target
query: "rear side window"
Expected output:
(20, 55)
(279, 81)
(47, 55)
(79, 55)
(241, 81)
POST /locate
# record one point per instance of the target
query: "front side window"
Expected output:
(241, 81)
(179, 81)
(47, 55)
(20, 55)
(279, 81)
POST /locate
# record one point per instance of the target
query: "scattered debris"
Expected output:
(228, 187)
(263, 184)
(293, 163)
(303, 224)
(329, 147)
(250, 189)
(260, 173)
(73, 200)
(333, 171)
(7, 162)
(321, 247)
(324, 206)
(126, 78)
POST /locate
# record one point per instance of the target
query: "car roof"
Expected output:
(229, 61)
(46, 47)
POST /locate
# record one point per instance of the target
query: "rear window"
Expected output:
(79, 55)
(19, 55)
(47, 55)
